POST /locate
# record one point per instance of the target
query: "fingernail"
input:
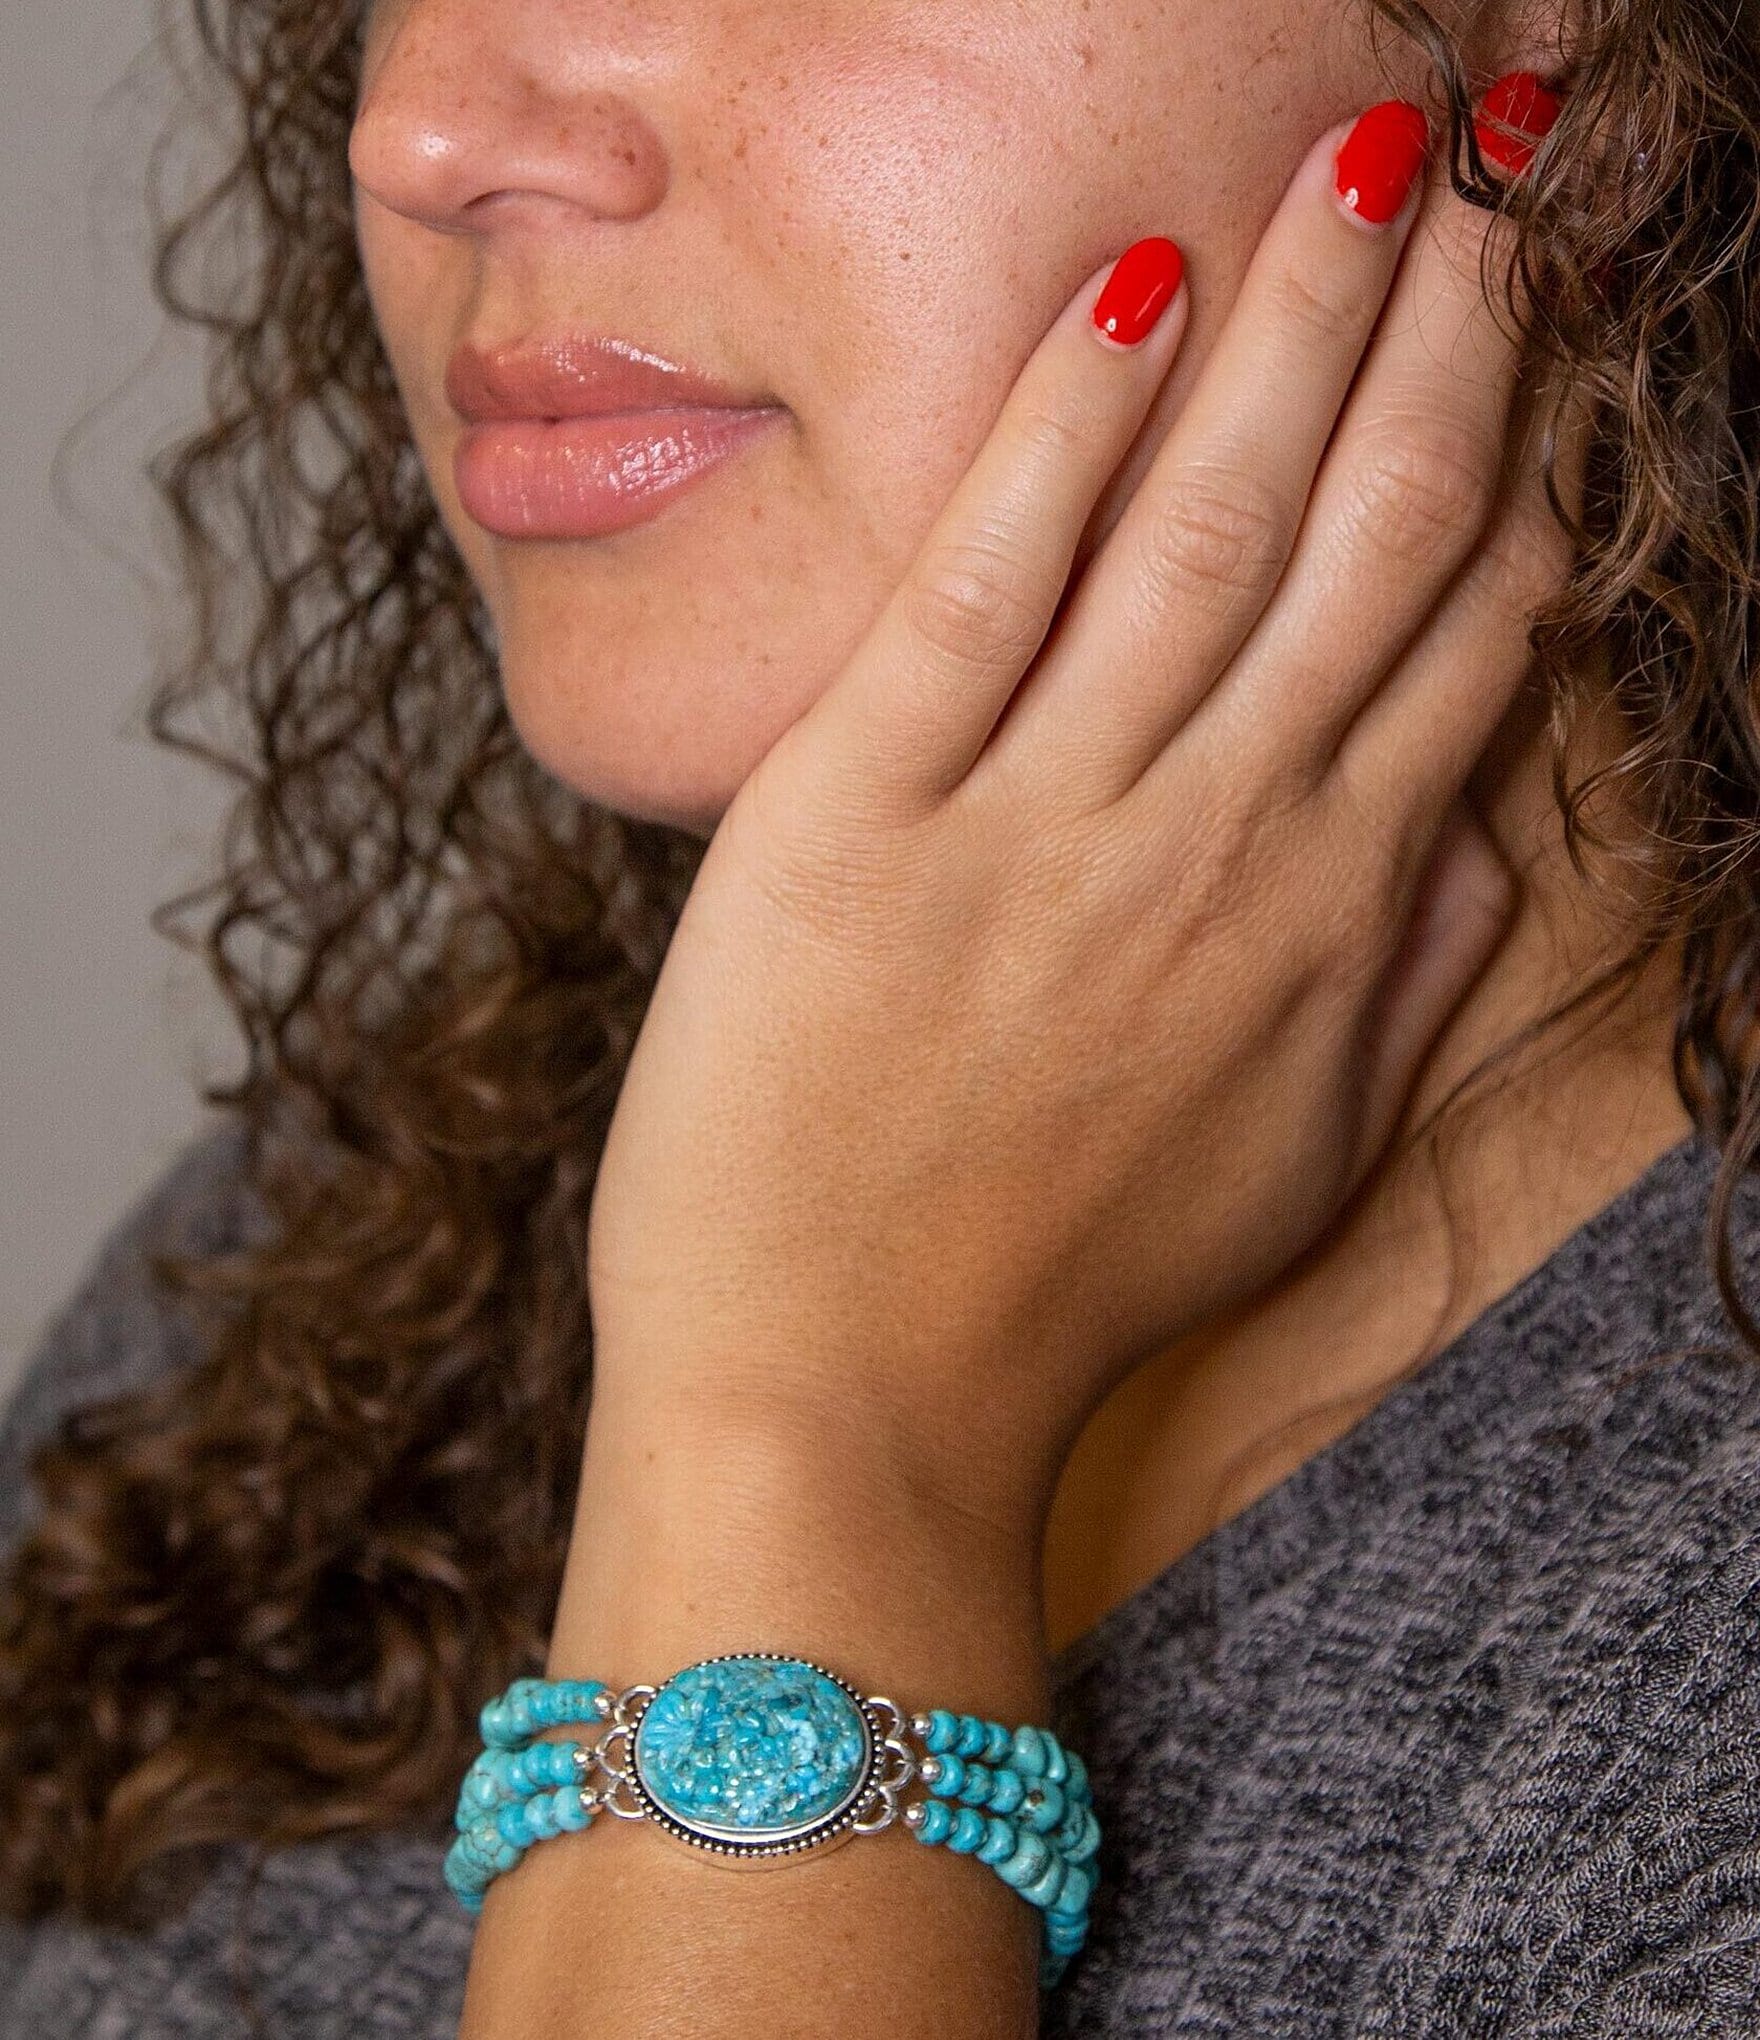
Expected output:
(1378, 160)
(1140, 288)
(1520, 102)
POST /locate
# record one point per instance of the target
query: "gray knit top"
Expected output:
(1454, 1732)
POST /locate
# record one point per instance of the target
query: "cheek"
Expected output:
(923, 208)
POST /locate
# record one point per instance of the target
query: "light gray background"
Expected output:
(105, 1030)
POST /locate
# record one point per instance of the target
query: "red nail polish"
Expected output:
(1380, 157)
(1520, 102)
(1139, 290)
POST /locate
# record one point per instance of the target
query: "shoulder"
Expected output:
(118, 1330)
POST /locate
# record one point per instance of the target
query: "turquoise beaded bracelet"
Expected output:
(753, 1757)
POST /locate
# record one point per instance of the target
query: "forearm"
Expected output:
(695, 1536)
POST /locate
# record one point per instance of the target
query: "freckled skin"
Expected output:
(869, 210)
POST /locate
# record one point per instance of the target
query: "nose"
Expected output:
(478, 110)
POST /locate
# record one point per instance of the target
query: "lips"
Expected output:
(577, 377)
(581, 437)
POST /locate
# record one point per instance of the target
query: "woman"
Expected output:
(1091, 786)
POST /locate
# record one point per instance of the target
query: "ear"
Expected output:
(1519, 59)
(1537, 36)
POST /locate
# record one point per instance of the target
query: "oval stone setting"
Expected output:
(752, 1749)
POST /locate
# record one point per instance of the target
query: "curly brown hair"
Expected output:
(264, 1600)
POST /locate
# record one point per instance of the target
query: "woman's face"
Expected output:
(864, 211)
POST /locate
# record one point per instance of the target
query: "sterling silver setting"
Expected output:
(613, 1779)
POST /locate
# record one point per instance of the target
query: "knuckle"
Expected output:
(1423, 496)
(1232, 859)
(1218, 535)
(975, 605)
(1063, 431)
(1351, 923)
(1355, 869)
(1528, 554)
(1322, 307)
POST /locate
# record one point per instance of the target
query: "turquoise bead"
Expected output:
(998, 1741)
(1008, 1791)
(943, 1729)
(1077, 1782)
(978, 1783)
(937, 1821)
(1056, 1763)
(1080, 1850)
(973, 1735)
(1043, 1806)
(559, 1766)
(513, 1824)
(968, 1830)
(1029, 1751)
(462, 1877)
(1065, 1936)
(1043, 1890)
(950, 1778)
(1032, 1852)
(999, 1842)
(569, 1700)
(1078, 1889)
(567, 1801)
(511, 1719)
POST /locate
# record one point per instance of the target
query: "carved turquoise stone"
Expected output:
(751, 1748)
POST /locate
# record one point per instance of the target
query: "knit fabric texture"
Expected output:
(1454, 1732)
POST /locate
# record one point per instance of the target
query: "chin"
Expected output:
(668, 745)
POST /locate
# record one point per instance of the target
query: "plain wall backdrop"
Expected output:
(105, 1030)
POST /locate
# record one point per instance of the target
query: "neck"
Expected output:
(1433, 1236)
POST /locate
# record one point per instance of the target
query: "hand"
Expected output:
(1055, 979)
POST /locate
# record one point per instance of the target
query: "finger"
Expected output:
(1461, 909)
(911, 710)
(1181, 578)
(1413, 748)
(1408, 488)
(1406, 491)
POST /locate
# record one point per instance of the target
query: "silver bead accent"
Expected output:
(603, 1704)
(929, 1769)
(920, 1724)
(913, 1815)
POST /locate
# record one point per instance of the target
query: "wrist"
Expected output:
(704, 1526)
(831, 1407)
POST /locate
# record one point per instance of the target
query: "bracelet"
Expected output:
(752, 1757)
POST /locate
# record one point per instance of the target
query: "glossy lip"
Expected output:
(580, 436)
(588, 476)
(577, 376)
